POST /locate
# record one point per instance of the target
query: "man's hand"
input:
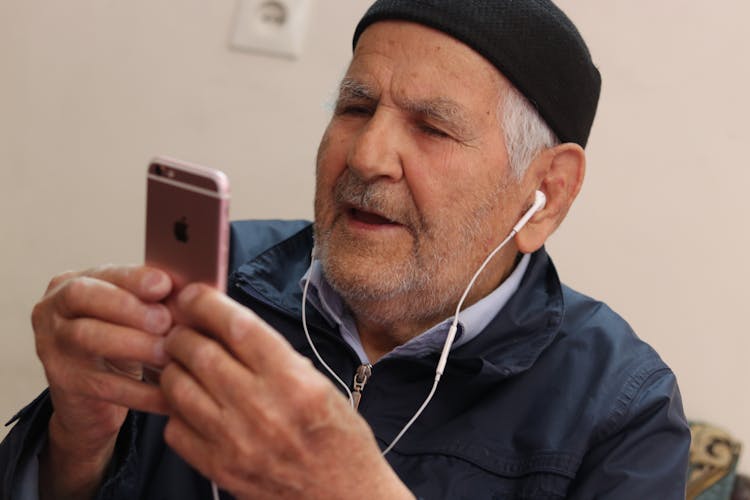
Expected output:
(93, 331)
(252, 414)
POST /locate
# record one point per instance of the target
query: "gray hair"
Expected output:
(526, 132)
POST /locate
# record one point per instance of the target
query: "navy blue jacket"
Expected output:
(557, 398)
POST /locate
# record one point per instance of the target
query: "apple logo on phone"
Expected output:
(181, 230)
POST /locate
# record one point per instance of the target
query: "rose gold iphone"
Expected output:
(187, 222)
(187, 226)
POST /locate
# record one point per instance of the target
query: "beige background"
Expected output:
(90, 89)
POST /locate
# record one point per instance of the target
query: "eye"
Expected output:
(353, 109)
(432, 131)
(358, 110)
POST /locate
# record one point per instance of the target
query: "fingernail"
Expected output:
(188, 294)
(153, 281)
(156, 319)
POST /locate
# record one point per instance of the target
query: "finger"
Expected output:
(61, 278)
(128, 369)
(86, 296)
(148, 283)
(121, 390)
(248, 338)
(216, 370)
(215, 459)
(97, 338)
(189, 445)
(190, 401)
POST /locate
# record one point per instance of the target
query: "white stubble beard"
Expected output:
(415, 289)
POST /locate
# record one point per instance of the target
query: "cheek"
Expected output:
(436, 182)
(330, 163)
(461, 195)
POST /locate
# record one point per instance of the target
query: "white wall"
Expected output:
(91, 89)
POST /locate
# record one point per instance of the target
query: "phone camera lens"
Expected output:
(158, 170)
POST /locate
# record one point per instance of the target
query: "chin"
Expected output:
(385, 292)
(366, 272)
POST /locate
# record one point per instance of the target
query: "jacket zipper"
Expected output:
(365, 369)
(361, 377)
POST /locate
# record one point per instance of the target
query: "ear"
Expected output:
(558, 172)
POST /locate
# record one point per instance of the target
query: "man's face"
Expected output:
(413, 185)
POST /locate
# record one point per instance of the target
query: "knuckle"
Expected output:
(59, 279)
(74, 292)
(176, 387)
(49, 330)
(208, 356)
(319, 388)
(313, 391)
(78, 334)
(306, 364)
(39, 315)
(45, 335)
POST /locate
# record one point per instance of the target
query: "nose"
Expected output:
(376, 152)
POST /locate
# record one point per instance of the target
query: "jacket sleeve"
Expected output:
(20, 446)
(26, 486)
(645, 454)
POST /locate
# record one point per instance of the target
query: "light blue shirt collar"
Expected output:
(471, 321)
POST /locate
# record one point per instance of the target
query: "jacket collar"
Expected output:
(525, 327)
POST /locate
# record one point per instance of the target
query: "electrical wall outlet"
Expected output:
(273, 27)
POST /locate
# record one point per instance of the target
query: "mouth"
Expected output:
(369, 218)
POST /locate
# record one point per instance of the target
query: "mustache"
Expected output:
(380, 198)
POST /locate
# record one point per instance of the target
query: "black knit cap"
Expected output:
(531, 42)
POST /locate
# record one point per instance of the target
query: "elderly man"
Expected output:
(452, 114)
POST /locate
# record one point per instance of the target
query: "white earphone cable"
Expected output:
(448, 344)
(312, 345)
(540, 201)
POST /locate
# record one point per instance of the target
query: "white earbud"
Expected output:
(540, 200)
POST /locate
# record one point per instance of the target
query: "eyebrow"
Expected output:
(440, 109)
(355, 89)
